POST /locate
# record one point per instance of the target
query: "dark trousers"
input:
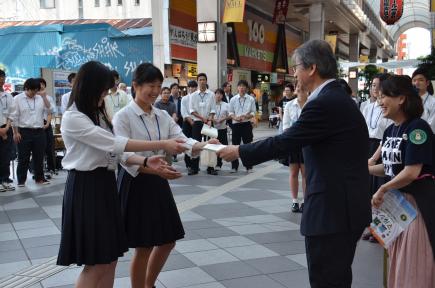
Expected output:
(196, 134)
(330, 258)
(187, 131)
(49, 149)
(241, 131)
(223, 138)
(33, 141)
(374, 181)
(5, 156)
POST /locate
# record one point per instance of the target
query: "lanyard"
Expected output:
(371, 117)
(240, 104)
(148, 131)
(424, 103)
(34, 104)
(220, 109)
(119, 100)
(203, 96)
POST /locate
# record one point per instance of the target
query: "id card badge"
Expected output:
(201, 104)
(112, 161)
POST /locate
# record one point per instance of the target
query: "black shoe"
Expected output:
(301, 208)
(295, 207)
(9, 180)
(212, 172)
(190, 171)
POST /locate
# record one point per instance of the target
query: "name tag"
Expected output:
(112, 161)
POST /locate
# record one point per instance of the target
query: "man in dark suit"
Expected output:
(176, 99)
(334, 138)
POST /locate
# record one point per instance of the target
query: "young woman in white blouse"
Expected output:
(292, 111)
(149, 211)
(220, 121)
(92, 231)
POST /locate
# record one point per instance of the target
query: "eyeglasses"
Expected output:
(293, 68)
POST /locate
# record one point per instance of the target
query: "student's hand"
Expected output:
(213, 141)
(157, 162)
(174, 146)
(17, 137)
(169, 173)
(229, 153)
(378, 197)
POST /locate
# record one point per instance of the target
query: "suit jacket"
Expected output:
(178, 105)
(334, 139)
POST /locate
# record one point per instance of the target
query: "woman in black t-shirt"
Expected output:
(407, 164)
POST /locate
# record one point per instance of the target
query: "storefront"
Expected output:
(183, 38)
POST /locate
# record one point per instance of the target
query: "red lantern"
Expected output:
(391, 11)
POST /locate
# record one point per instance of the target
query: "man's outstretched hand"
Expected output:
(229, 153)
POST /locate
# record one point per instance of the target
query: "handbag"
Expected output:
(208, 158)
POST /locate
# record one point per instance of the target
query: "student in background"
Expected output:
(65, 97)
(220, 121)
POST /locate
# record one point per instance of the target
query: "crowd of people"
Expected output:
(107, 131)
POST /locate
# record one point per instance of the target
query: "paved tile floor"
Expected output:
(245, 237)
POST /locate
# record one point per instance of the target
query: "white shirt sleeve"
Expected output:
(231, 108)
(121, 127)
(64, 102)
(212, 103)
(253, 108)
(185, 107)
(82, 129)
(286, 121)
(193, 103)
(15, 112)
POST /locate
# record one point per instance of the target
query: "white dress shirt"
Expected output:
(376, 122)
(134, 123)
(6, 107)
(88, 146)
(317, 91)
(202, 103)
(52, 107)
(64, 102)
(222, 112)
(185, 101)
(28, 112)
(115, 102)
(292, 111)
(429, 110)
(242, 105)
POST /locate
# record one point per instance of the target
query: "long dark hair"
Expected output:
(90, 83)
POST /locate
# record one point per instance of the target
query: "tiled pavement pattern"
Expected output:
(244, 238)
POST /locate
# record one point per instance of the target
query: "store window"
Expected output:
(47, 4)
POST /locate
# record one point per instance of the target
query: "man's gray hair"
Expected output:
(317, 52)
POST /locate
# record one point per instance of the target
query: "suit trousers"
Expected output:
(241, 131)
(5, 156)
(187, 131)
(330, 258)
(223, 138)
(33, 141)
(49, 149)
(196, 134)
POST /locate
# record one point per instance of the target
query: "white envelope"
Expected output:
(209, 131)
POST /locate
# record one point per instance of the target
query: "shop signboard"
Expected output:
(192, 70)
(183, 30)
(234, 10)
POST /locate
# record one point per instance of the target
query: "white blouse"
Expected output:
(222, 112)
(292, 111)
(88, 146)
(376, 122)
(134, 123)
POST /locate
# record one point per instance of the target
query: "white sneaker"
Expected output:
(8, 186)
(234, 170)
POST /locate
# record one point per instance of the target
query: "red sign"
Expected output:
(7, 87)
(280, 14)
(391, 11)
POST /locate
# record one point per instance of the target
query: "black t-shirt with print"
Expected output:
(407, 144)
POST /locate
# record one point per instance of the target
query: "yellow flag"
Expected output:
(234, 11)
(332, 40)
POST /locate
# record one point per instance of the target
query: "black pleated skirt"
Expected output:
(149, 211)
(92, 228)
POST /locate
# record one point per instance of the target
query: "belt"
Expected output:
(30, 129)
